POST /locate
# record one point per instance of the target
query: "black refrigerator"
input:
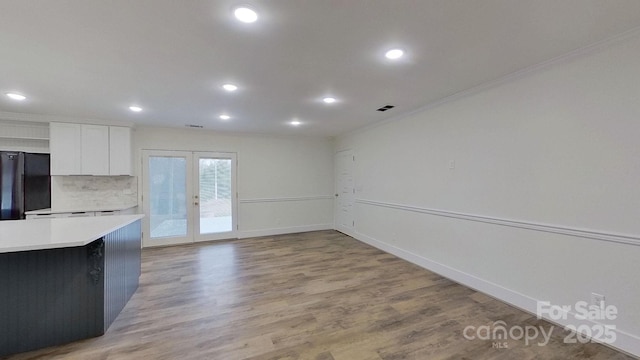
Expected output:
(25, 183)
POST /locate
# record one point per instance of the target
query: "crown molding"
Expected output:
(565, 58)
(12, 116)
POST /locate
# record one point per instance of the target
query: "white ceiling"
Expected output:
(92, 59)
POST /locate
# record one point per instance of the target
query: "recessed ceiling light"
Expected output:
(229, 87)
(329, 100)
(224, 117)
(15, 96)
(245, 14)
(135, 108)
(295, 123)
(394, 54)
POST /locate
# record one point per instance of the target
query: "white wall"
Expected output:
(544, 199)
(285, 184)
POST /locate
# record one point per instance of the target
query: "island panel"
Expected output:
(55, 296)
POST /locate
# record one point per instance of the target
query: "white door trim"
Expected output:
(191, 188)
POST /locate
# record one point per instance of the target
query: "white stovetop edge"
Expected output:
(25, 235)
(68, 210)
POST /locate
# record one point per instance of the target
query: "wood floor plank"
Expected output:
(318, 295)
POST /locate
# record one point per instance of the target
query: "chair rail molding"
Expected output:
(283, 199)
(555, 229)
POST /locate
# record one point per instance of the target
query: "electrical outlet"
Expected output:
(452, 164)
(597, 300)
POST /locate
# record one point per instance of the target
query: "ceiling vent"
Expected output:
(194, 126)
(386, 107)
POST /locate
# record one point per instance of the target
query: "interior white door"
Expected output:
(188, 196)
(345, 191)
(214, 196)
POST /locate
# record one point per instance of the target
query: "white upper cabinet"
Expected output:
(95, 150)
(65, 146)
(120, 150)
(82, 149)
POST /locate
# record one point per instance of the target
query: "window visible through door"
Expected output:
(215, 195)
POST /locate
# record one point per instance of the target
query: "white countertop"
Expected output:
(58, 211)
(23, 235)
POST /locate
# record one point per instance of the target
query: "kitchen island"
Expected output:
(65, 279)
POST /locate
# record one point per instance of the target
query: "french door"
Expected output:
(188, 196)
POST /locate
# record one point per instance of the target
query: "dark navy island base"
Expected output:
(55, 296)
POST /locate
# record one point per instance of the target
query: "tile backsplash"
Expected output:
(87, 192)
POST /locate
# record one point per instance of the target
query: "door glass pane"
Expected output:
(167, 196)
(215, 195)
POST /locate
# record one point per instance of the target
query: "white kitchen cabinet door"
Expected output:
(95, 150)
(65, 145)
(120, 150)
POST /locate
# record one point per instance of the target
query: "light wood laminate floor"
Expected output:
(318, 295)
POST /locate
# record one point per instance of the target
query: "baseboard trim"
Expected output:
(285, 230)
(625, 342)
(347, 231)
